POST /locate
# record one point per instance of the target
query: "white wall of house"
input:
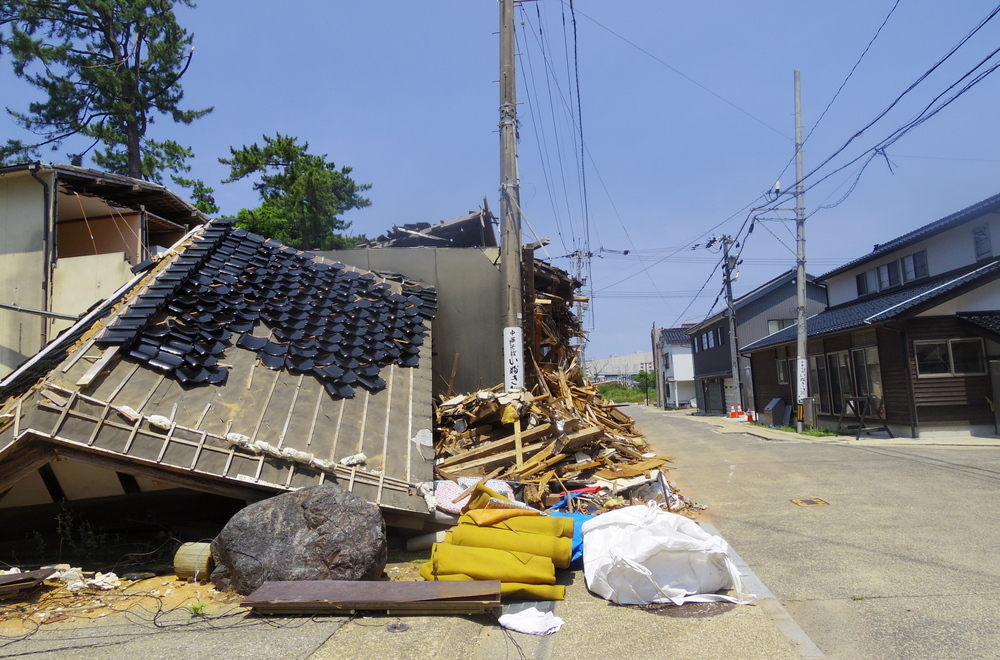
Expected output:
(984, 299)
(946, 251)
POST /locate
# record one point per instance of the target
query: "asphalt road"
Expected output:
(901, 563)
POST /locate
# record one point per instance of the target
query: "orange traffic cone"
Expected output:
(749, 415)
(739, 409)
(732, 411)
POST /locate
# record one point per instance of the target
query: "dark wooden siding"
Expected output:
(947, 400)
(892, 365)
(715, 360)
(765, 378)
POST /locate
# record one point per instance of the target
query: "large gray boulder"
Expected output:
(318, 533)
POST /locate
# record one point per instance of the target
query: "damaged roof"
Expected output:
(472, 230)
(120, 190)
(240, 366)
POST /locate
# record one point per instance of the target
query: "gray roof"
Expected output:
(763, 289)
(989, 321)
(675, 336)
(988, 205)
(889, 305)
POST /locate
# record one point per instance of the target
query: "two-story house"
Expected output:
(673, 367)
(914, 323)
(765, 310)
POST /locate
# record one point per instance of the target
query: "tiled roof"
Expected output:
(988, 205)
(337, 325)
(989, 321)
(675, 336)
(882, 307)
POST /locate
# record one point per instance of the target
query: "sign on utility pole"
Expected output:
(510, 207)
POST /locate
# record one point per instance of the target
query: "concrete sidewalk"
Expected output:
(723, 424)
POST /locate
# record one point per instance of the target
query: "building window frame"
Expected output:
(941, 352)
(888, 275)
(782, 366)
(914, 266)
(981, 242)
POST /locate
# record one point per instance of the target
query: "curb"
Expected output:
(776, 612)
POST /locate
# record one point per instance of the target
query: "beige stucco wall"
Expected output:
(468, 321)
(79, 282)
(22, 266)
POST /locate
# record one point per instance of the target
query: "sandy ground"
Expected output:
(51, 605)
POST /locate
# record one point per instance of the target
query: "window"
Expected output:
(915, 266)
(819, 386)
(782, 371)
(708, 340)
(867, 372)
(666, 361)
(839, 372)
(719, 340)
(867, 283)
(950, 357)
(774, 325)
(888, 275)
(981, 239)
(666, 390)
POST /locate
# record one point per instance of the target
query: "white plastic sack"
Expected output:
(641, 554)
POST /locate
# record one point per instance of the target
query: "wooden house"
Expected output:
(914, 323)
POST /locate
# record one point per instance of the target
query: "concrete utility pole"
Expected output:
(510, 207)
(729, 265)
(801, 359)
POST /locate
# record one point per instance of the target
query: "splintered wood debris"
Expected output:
(563, 438)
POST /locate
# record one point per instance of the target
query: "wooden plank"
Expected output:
(518, 447)
(96, 368)
(335, 595)
(489, 462)
(502, 444)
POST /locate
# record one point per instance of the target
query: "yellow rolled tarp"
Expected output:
(490, 564)
(548, 525)
(508, 590)
(493, 516)
(556, 548)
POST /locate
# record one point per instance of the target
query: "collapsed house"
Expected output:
(235, 365)
(232, 364)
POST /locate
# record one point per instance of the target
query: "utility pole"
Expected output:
(801, 360)
(729, 264)
(581, 308)
(510, 207)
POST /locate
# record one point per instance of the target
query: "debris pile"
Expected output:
(564, 438)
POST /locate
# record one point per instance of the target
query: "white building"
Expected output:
(620, 368)
(673, 367)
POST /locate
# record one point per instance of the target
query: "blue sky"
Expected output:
(687, 118)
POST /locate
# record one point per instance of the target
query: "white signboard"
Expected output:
(513, 359)
(802, 379)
